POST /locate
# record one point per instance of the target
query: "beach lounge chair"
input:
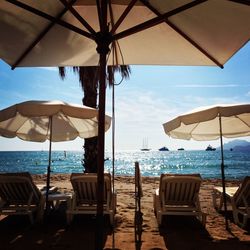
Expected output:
(178, 195)
(20, 196)
(84, 199)
(238, 198)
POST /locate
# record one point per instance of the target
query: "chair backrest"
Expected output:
(85, 188)
(242, 195)
(179, 189)
(18, 188)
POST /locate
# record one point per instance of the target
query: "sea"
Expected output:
(152, 163)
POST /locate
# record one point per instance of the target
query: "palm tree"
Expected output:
(89, 80)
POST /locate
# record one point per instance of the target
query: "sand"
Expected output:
(176, 233)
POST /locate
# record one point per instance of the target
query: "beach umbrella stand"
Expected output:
(223, 175)
(54, 121)
(49, 167)
(211, 123)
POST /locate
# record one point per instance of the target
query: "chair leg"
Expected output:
(31, 217)
(216, 195)
(111, 218)
(39, 214)
(203, 219)
(157, 211)
(243, 222)
(214, 199)
(69, 218)
(159, 218)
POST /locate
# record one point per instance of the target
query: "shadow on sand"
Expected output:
(17, 233)
(187, 233)
(176, 233)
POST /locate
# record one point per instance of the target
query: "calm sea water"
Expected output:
(152, 163)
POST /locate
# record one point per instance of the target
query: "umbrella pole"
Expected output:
(48, 168)
(113, 155)
(223, 175)
(100, 169)
(103, 40)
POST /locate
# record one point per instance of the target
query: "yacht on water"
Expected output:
(163, 149)
(210, 148)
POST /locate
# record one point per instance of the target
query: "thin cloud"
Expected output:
(207, 86)
(49, 68)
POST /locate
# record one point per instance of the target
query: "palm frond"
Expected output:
(62, 72)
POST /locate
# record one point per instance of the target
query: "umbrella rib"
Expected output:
(54, 20)
(51, 18)
(242, 120)
(123, 16)
(194, 128)
(113, 45)
(154, 10)
(40, 36)
(98, 7)
(78, 16)
(155, 21)
(241, 2)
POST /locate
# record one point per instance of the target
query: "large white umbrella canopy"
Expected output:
(169, 32)
(55, 121)
(30, 121)
(203, 124)
(211, 123)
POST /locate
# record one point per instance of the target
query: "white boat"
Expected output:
(145, 145)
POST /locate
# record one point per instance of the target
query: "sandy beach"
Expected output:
(176, 233)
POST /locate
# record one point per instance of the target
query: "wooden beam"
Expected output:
(78, 16)
(123, 16)
(246, 2)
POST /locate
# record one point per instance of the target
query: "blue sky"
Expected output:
(152, 96)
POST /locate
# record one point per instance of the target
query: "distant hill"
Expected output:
(237, 145)
(242, 148)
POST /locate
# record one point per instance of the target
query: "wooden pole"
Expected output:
(48, 168)
(103, 40)
(223, 175)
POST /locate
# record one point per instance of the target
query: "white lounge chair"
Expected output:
(238, 198)
(84, 200)
(20, 196)
(178, 195)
